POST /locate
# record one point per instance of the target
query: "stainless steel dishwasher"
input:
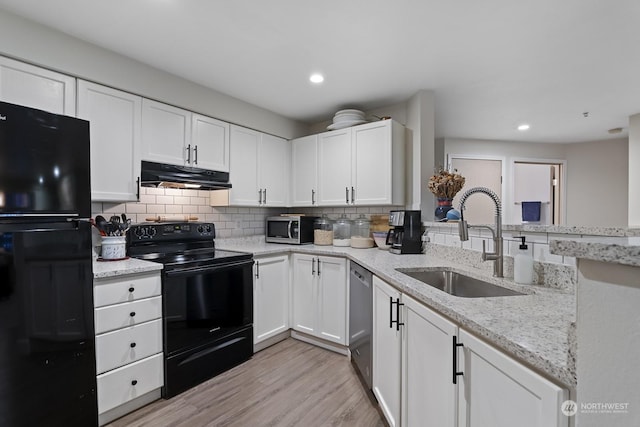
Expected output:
(361, 320)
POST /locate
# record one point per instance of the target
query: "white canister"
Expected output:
(114, 247)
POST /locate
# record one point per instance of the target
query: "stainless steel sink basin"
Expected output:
(458, 284)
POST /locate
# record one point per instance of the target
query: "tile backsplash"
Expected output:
(229, 221)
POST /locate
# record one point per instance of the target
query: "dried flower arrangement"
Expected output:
(445, 185)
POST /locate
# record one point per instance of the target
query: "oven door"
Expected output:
(205, 303)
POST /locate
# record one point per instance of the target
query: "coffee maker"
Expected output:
(406, 235)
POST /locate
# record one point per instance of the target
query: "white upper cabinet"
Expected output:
(360, 165)
(179, 137)
(334, 168)
(243, 172)
(115, 118)
(210, 143)
(378, 163)
(304, 171)
(35, 87)
(166, 133)
(259, 169)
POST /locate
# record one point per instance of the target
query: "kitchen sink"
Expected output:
(458, 284)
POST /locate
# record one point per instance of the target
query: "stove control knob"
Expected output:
(208, 228)
(200, 229)
(151, 231)
(138, 231)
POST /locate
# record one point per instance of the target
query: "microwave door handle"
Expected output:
(290, 228)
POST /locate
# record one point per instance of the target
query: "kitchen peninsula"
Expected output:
(608, 336)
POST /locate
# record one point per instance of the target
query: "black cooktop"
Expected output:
(179, 244)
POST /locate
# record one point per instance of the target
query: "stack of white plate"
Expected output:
(345, 118)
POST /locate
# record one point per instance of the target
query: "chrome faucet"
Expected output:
(463, 229)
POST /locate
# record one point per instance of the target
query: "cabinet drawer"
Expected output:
(117, 348)
(127, 314)
(131, 381)
(114, 290)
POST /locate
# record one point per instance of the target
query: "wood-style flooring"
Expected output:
(289, 384)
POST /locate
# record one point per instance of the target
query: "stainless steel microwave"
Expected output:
(294, 230)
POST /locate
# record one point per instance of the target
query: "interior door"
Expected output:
(478, 173)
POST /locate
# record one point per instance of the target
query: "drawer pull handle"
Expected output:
(133, 313)
(132, 345)
(131, 289)
(134, 382)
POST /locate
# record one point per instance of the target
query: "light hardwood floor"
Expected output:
(289, 384)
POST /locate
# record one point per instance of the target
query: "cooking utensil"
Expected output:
(124, 218)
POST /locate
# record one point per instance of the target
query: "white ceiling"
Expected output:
(492, 64)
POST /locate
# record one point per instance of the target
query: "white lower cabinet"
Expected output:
(121, 385)
(427, 364)
(495, 390)
(129, 358)
(387, 340)
(415, 357)
(270, 297)
(319, 288)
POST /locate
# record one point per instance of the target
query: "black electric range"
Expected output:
(207, 300)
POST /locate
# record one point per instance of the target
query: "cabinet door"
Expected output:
(304, 171)
(387, 342)
(274, 165)
(334, 168)
(303, 289)
(209, 143)
(115, 118)
(166, 132)
(428, 392)
(36, 87)
(497, 391)
(244, 167)
(372, 161)
(271, 297)
(332, 299)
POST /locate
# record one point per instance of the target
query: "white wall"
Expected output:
(598, 183)
(508, 152)
(596, 175)
(34, 43)
(634, 171)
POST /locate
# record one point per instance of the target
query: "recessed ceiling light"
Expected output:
(316, 78)
(523, 126)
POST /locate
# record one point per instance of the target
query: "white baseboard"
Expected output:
(130, 406)
(321, 343)
(271, 341)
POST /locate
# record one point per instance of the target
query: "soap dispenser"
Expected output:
(523, 265)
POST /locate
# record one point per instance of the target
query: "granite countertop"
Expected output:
(102, 269)
(617, 250)
(535, 328)
(554, 229)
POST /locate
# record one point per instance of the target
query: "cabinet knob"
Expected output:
(132, 345)
(132, 314)
(131, 289)
(134, 382)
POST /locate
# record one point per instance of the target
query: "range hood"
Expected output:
(172, 176)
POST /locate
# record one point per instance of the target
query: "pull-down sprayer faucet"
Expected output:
(463, 229)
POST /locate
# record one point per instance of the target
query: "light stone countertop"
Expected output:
(102, 269)
(533, 328)
(617, 250)
(554, 229)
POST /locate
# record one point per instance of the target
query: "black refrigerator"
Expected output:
(47, 345)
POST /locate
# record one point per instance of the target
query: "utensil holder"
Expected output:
(114, 247)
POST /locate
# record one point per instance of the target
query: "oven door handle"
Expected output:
(208, 268)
